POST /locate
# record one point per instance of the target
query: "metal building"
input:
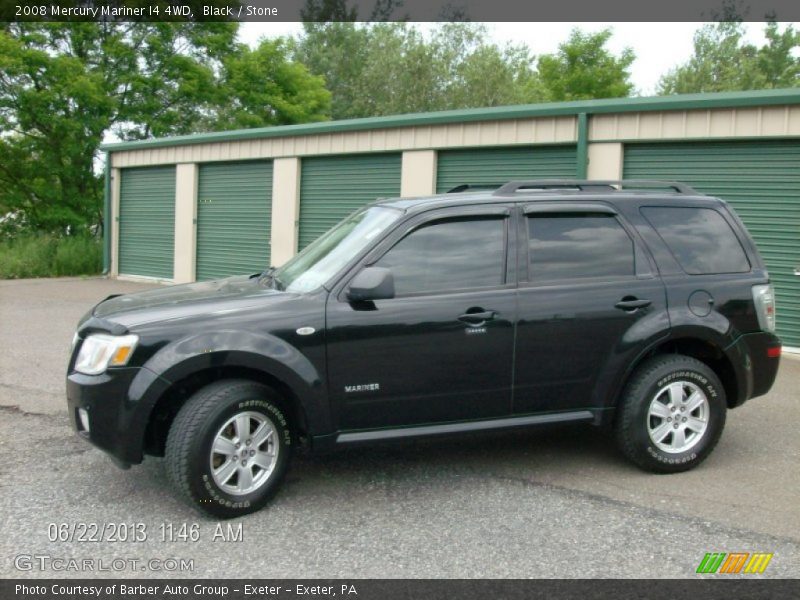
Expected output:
(204, 206)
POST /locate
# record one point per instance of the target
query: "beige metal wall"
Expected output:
(285, 209)
(419, 146)
(777, 121)
(115, 191)
(185, 222)
(549, 130)
(418, 177)
(766, 121)
(605, 160)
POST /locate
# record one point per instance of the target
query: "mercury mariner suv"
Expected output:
(638, 306)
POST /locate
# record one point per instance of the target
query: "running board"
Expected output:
(423, 430)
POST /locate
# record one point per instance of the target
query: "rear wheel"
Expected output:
(671, 414)
(229, 447)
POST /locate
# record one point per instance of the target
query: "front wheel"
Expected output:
(672, 414)
(229, 447)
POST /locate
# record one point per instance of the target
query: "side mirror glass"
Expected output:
(372, 283)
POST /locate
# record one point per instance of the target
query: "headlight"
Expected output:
(100, 351)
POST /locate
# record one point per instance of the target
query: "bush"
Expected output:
(50, 256)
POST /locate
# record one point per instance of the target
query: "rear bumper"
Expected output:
(761, 354)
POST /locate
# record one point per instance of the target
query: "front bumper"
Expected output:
(117, 407)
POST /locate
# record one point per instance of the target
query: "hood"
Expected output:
(178, 301)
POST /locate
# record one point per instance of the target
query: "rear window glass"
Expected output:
(701, 240)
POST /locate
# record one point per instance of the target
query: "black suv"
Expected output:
(640, 306)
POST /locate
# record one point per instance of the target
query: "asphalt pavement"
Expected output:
(556, 502)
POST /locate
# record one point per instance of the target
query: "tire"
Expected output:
(219, 417)
(663, 439)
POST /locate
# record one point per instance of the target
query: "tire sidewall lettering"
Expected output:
(209, 489)
(633, 422)
(671, 460)
(194, 430)
(274, 410)
(693, 376)
(708, 388)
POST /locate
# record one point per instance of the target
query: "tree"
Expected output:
(262, 87)
(335, 48)
(337, 52)
(722, 61)
(316, 11)
(390, 68)
(479, 73)
(583, 68)
(63, 86)
(779, 59)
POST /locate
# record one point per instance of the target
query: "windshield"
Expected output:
(324, 257)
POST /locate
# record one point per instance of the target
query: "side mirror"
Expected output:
(373, 283)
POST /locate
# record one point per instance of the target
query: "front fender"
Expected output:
(265, 353)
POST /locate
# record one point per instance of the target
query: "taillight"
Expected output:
(764, 299)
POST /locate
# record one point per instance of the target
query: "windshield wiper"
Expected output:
(267, 275)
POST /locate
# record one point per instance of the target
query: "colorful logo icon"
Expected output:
(733, 563)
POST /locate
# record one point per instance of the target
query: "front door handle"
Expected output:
(477, 317)
(629, 303)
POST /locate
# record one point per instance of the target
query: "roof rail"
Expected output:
(467, 187)
(588, 185)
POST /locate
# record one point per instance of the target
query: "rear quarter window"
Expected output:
(700, 239)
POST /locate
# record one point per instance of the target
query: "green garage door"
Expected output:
(147, 222)
(234, 213)
(761, 180)
(496, 166)
(332, 187)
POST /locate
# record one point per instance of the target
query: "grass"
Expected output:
(50, 256)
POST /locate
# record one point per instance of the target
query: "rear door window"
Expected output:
(566, 246)
(700, 239)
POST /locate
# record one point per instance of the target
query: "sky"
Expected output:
(658, 46)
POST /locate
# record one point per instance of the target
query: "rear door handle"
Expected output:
(632, 304)
(476, 318)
